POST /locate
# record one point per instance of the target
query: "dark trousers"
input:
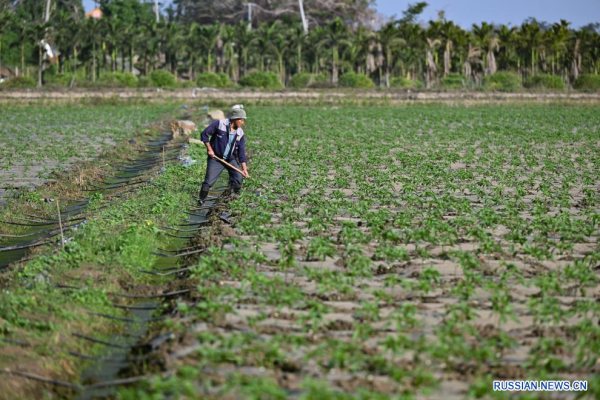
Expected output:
(214, 169)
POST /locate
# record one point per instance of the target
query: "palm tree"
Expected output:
(173, 38)
(91, 34)
(62, 28)
(245, 40)
(192, 48)
(557, 41)
(229, 51)
(297, 39)
(316, 53)
(279, 47)
(413, 55)
(5, 24)
(111, 34)
(449, 34)
(390, 40)
(208, 36)
(38, 32)
(507, 38)
(531, 38)
(22, 38)
(580, 39)
(266, 36)
(150, 48)
(488, 42)
(472, 59)
(360, 44)
(335, 36)
(76, 31)
(430, 62)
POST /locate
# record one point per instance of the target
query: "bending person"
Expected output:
(227, 141)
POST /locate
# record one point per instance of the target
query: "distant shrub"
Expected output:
(321, 81)
(353, 80)
(186, 84)
(588, 83)
(118, 79)
(401, 82)
(211, 79)
(20, 82)
(544, 81)
(262, 80)
(144, 82)
(302, 80)
(453, 81)
(60, 79)
(161, 78)
(306, 80)
(502, 82)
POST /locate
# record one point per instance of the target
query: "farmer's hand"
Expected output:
(211, 153)
(245, 173)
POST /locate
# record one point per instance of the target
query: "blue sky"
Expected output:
(467, 12)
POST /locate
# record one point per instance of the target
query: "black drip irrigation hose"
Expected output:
(178, 254)
(179, 237)
(154, 273)
(122, 185)
(29, 234)
(40, 217)
(162, 269)
(151, 344)
(56, 382)
(20, 224)
(35, 220)
(41, 379)
(17, 342)
(126, 180)
(103, 342)
(125, 319)
(153, 296)
(193, 223)
(127, 307)
(42, 224)
(63, 286)
(124, 361)
(14, 248)
(200, 228)
(35, 242)
(177, 251)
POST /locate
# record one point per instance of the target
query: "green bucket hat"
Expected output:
(237, 112)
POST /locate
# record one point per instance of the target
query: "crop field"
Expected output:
(40, 140)
(375, 252)
(416, 251)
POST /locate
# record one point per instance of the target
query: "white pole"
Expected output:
(156, 9)
(47, 17)
(304, 23)
(249, 16)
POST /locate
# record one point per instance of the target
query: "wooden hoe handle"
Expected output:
(192, 140)
(230, 166)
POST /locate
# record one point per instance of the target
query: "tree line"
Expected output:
(128, 38)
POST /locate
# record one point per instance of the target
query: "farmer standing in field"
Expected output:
(228, 143)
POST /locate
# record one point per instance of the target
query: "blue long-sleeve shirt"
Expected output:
(217, 134)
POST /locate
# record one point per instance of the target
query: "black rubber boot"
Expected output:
(203, 195)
